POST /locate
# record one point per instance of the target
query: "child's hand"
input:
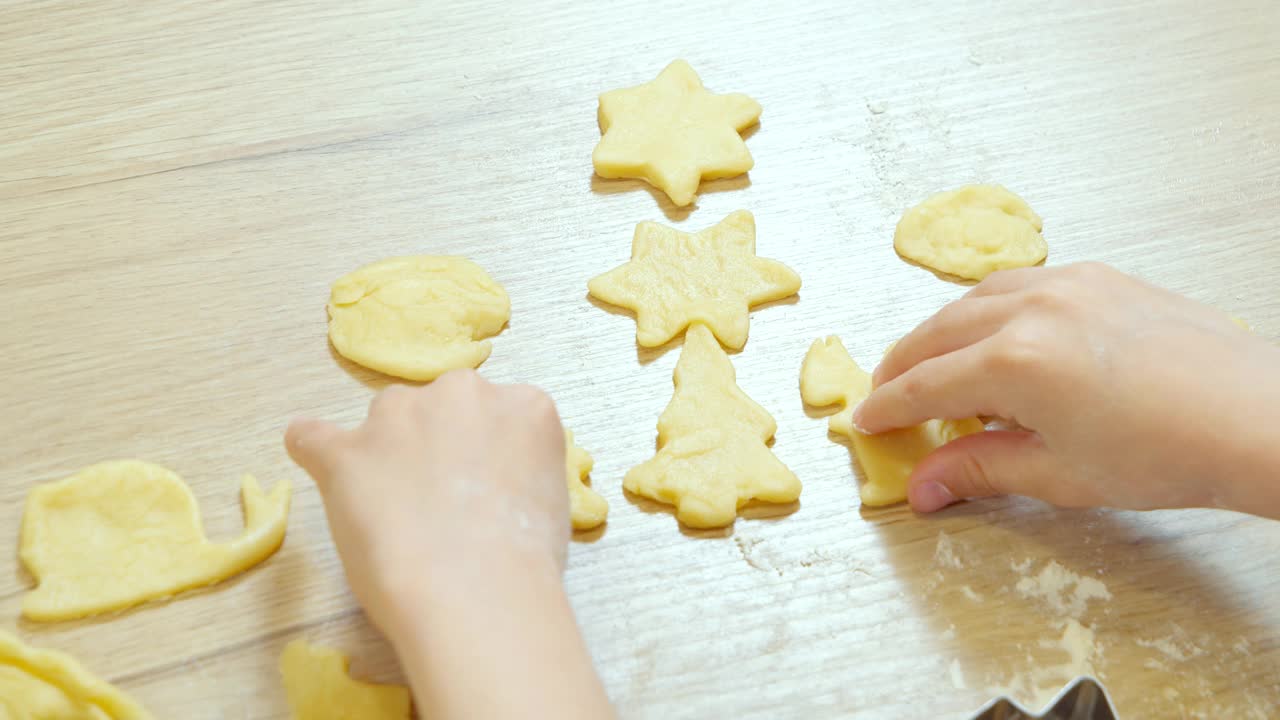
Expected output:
(437, 481)
(1130, 396)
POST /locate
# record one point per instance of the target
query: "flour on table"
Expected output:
(971, 594)
(1176, 646)
(957, 677)
(944, 555)
(1065, 592)
(1043, 683)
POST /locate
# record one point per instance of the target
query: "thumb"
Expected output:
(314, 445)
(984, 464)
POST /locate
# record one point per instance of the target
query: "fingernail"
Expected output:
(856, 419)
(929, 496)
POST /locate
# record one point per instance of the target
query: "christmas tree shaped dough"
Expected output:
(972, 232)
(586, 508)
(121, 533)
(417, 317)
(830, 376)
(711, 277)
(712, 455)
(672, 133)
(318, 688)
(48, 685)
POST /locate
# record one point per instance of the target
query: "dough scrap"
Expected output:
(712, 455)
(586, 508)
(829, 376)
(673, 133)
(120, 533)
(417, 317)
(48, 685)
(972, 232)
(318, 688)
(711, 277)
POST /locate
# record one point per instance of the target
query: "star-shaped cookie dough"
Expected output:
(711, 277)
(318, 687)
(712, 454)
(673, 133)
(586, 508)
(829, 376)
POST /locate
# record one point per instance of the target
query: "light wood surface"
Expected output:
(181, 182)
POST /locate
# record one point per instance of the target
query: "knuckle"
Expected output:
(975, 475)
(1018, 352)
(912, 389)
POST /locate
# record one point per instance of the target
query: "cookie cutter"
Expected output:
(1082, 699)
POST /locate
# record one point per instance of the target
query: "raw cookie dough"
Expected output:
(120, 533)
(712, 458)
(828, 377)
(673, 133)
(586, 508)
(318, 688)
(48, 685)
(711, 277)
(417, 317)
(972, 232)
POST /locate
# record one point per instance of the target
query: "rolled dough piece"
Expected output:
(672, 133)
(972, 232)
(318, 688)
(47, 685)
(120, 533)
(586, 508)
(712, 454)
(711, 277)
(829, 376)
(417, 317)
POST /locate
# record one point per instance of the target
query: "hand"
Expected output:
(1124, 395)
(437, 479)
(450, 511)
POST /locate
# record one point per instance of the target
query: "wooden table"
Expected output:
(181, 182)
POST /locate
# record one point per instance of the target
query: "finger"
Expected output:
(952, 386)
(984, 464)
(957, 325)
(1003, 282)
(314, 445)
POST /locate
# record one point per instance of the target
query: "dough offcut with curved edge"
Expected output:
(712, 277)
(586, 508)
(120, 533)
(318, 688)
(48, 685)
(972, 232)
(712, 454)
(417, 317)
(829, 376)
(672, 133)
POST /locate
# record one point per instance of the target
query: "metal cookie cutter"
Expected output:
(1082, 699)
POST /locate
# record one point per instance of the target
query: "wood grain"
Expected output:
(180, 183)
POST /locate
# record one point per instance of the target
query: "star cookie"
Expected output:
(712, 454)
(711, 277)
(672, 133)
(830, 377)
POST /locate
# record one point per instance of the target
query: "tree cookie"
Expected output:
(48, 685)
(829, 376)
(672, 133)
(417, 317)
(318, 688)
(120, 533)
(711, 277)
(712, 453)
(972, 232)
(586, 508)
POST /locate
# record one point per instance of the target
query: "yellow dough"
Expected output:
(318, 688)
(828, 377)
(972, 232)
(673, 133)
(586, 508)
(712, 454)
(711, 277)
(120, 533)
(48, 685)
(417, 317)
